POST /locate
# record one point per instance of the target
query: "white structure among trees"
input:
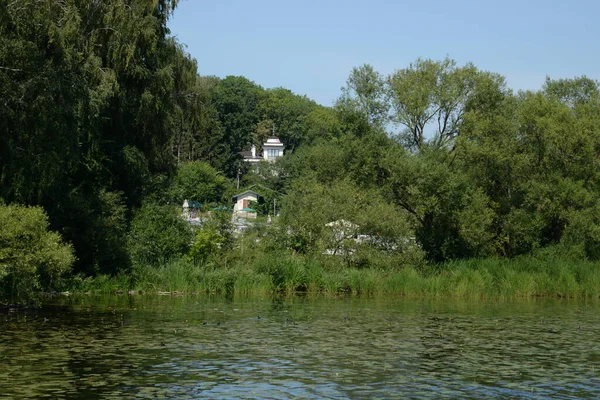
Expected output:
(243, 202)
(272, 149)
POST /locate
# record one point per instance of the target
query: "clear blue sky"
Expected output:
(310, 46)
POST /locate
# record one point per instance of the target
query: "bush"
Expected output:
(197, 180)
(208, 241)
(31, 257)
(158, 234)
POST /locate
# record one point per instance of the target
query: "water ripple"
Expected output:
(195, 347)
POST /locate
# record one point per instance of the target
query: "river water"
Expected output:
(297, 347)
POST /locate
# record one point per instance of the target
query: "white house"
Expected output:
(251, 156)
(272, 149)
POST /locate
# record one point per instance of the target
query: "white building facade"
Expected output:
(272, 150)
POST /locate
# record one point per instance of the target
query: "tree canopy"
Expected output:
(107, 127)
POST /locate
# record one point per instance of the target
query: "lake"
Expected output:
(299, 347)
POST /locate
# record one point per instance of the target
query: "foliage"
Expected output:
(341, 218)
(31, 256)
(437, 93)
(283, 272)
(366, 93)
(90, 91)
(207, 242)
(105, 120)
(158, 234)
(288, 114)
(236, 102)
(213, 239)
(197, 180)
(221, 117)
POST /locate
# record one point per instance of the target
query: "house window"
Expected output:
(271, 153)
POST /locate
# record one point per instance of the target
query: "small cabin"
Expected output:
(243, 201)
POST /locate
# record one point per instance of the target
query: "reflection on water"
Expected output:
(198, 347)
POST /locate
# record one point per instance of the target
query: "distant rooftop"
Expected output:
(248, 154)
(273, 141)
(247, 193)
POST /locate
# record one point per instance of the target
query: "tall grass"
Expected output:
(262, 274)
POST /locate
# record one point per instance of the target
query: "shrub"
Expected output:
(158, 234)
(31, 257)
(208, 241)
(197, 180)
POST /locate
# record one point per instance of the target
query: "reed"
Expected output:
(286, 273)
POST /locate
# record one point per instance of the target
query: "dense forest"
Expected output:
(107, 127)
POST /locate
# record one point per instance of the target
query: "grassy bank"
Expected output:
(523, 277)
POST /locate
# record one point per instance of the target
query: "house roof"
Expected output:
(247, 154)
(247, 193)
(273, 141)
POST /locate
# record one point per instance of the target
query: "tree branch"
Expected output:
(410, 210)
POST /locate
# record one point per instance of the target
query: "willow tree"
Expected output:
(365, 93)
(429, 100)
(89, 92)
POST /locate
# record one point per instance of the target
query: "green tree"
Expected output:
(31, 256)
(214, 238)
(287, 112)
(158, 234)
(366, 93)
(341, 218)
(197, 180)
(573, 92)
(453, 216)
(322, 124)
(236, 100)
(535, 158)
(436, 95)
(207, 242)
(92, 97)
(202, 137)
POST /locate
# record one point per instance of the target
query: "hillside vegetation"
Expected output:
(108, 127)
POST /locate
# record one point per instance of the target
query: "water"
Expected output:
(199, 347)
